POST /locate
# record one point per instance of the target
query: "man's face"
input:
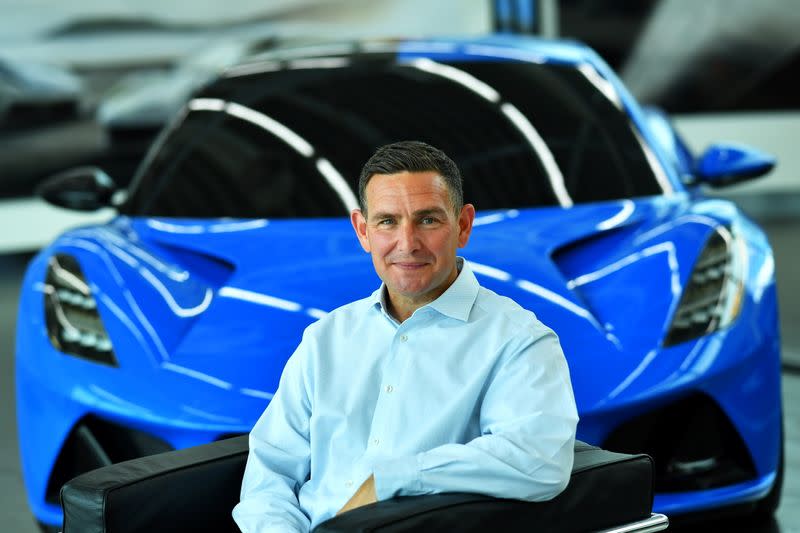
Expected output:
(412, 233)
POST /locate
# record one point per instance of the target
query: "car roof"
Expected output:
(489, 47)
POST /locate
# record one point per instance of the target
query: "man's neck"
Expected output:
(401, 311)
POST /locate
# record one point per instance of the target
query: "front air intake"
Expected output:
(94, 443)
(692, 442)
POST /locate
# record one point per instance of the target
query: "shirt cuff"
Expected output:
(397, 477)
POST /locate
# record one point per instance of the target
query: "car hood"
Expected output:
(231, 299)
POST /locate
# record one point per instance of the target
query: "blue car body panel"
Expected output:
(204, 313)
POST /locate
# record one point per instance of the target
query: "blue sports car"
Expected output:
(169, 326)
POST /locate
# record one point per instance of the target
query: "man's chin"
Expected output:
(410, 290)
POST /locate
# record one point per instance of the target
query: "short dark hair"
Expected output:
(412, 156)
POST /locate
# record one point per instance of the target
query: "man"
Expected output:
(431, 384)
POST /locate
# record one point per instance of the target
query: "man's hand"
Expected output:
(363, 496)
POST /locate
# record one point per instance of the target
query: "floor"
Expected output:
(15, 516)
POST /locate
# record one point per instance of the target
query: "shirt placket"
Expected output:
(383, 430)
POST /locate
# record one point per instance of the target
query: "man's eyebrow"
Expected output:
(380, 215)
(430, 211)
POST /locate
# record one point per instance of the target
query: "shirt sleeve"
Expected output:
(528, 421)
(279, 460)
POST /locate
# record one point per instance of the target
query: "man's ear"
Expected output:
(360, 225)
(465, 220)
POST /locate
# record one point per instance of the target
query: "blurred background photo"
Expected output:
(94, 83)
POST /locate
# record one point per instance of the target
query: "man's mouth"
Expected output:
(409, 265)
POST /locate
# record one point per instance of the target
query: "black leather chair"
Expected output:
(195, 489)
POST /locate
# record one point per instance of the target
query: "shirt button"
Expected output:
(389, 388)
(403, 338)
(376, 441)
(348, 483)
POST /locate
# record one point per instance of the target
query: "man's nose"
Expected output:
(408, 240)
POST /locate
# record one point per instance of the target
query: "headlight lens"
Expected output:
(713, 297)
(73, 324)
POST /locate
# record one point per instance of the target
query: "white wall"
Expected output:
(23, 23)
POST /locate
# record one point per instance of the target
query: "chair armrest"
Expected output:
(193, 489)
(606, 489)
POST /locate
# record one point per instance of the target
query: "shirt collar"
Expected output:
(456, 302)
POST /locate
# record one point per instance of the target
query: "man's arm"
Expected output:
(528, 419)
(279, 460)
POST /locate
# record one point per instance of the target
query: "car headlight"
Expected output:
(73, 324)
(712, 298)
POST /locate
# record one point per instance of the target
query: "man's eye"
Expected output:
(386, 222)
(428, 220)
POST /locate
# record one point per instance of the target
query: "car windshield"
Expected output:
(289, 139)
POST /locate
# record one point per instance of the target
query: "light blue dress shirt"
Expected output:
(469, 394)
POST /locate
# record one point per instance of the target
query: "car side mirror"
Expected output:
(727, 163)
(82, 189)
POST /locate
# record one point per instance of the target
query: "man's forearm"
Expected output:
(514, 466)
